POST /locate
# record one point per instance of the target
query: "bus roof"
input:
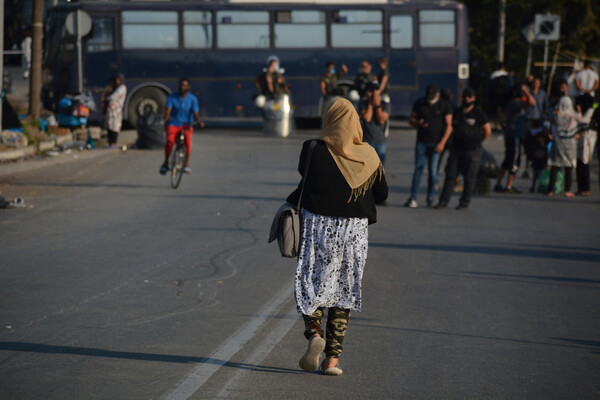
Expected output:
(263, 2)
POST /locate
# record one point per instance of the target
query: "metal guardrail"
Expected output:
(11, 52)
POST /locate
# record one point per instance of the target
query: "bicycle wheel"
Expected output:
(177, 164)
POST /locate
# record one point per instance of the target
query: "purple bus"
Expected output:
(222, 47)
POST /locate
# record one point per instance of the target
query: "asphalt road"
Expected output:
(115, 286)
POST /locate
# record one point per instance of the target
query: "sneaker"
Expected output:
(440, 206)
(411, 203)
(310, 359)
(512, 190)
(163, 169)
(187, 170)
(462, 206)
(499, 189)
(430, 202)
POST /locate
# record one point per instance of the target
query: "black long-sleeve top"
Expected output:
(326, 192)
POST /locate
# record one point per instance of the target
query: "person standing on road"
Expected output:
(432, 117)
(499, 93)
(26, 58)
(470, 129)
(345, 179)
(182, 110)
(383, 76)
(563, 153)
(586, 80)
(328, 82)
(271, 82)
(536, 115)
(363, 79)
(374, 116)
(114, 102)
(516, 125)
(586, 144)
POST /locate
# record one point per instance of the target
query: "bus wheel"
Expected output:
(152, 97)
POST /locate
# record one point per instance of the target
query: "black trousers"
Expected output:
(583, 176)
(112, 136)
(465, 162)
(568, 178)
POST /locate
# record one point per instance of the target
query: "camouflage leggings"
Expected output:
(337, 322)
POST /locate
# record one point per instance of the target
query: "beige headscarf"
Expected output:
(358, 161)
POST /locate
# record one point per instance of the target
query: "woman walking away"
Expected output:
(344, 181)
(564, 144)
(586, 144)
(115, 101)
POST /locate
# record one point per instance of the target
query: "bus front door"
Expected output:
(402, 63)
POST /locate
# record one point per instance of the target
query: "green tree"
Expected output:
(579, 31)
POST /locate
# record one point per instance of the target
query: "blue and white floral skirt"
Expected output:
(332, 258)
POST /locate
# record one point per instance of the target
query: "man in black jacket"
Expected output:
(432, 117)
(470, 129)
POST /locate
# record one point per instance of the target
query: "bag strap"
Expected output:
(311, 147)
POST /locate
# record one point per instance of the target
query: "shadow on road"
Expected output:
(91, 352)
(570, 343)
(90, 185)
(535, 277)
(489, 250)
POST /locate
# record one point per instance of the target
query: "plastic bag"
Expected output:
(544, 181)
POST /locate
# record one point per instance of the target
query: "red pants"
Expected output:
(172, 132)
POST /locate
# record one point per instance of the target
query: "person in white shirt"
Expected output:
(26, 58)
(586, 80)
(501, 71)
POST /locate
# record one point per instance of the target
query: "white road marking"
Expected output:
(201, 373)
(263, 349)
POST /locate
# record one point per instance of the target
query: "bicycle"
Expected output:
(178, 160)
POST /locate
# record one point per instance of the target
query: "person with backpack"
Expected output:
(470, 127)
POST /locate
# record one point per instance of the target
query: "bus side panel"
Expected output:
(438, 66)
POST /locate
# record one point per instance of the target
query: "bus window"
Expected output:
(300, 29)
(197, 30)
(401, 32)
(437, 28)
(102, 35)
(357, 28)
(243, 29)
(138, 24)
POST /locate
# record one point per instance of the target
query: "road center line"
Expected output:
(263, 349)
(201, 373)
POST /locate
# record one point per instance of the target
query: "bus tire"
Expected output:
(149, 96)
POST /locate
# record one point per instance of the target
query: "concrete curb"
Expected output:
(128, 138)
(15, 154)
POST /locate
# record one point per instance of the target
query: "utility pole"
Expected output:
(501, 29)
(35, 84)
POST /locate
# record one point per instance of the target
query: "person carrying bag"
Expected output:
(286, 224)
(342, 179)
